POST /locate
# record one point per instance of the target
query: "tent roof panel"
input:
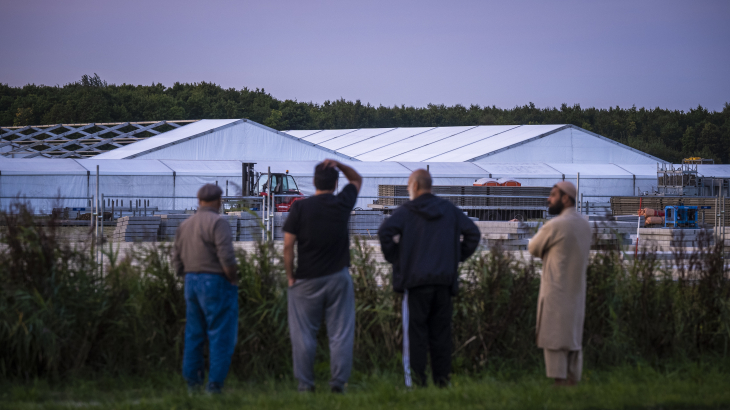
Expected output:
(166, 138)
(326, 135)
(381, 140)
(436, 148)
(495, 142)
(390, 151)
(354, 137)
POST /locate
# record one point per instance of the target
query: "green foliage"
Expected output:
(686, 386)
(667, 134)
(60, 317)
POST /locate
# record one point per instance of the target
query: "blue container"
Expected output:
(680, 216)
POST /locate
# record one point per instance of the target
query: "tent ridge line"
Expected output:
(283, 134)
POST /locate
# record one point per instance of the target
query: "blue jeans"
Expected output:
(212, 313)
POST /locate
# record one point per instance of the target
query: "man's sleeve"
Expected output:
(177, 262)
(348, 196)
(291, 224)
(540, 243)
(224, 243)
(471, 236)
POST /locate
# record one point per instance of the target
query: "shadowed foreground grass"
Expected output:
(690, 387)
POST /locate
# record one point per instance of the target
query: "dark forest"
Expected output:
(668, 134)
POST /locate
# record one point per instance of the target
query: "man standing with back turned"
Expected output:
(204, 255)
(322, 283)
(422, 239)
(564, 245)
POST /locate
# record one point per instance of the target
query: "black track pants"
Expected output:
(427, 326)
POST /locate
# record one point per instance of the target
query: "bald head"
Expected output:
(419, 183)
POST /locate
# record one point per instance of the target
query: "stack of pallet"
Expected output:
(137, 229)
(508, 236)
(169, 224)
(365, 223)
(464, 195)
(667, 239)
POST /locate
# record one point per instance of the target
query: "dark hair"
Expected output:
(325, 178)
(209, 192)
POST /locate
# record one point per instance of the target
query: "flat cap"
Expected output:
(209, 192)
(567, 187)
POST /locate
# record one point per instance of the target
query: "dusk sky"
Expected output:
(670, 54)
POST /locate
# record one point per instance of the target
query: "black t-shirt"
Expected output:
(323, 240)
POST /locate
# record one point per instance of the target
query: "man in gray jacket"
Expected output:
(203, 253)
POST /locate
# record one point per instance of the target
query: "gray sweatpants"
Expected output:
(331, 295)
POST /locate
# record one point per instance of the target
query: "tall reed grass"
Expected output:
(59, 317)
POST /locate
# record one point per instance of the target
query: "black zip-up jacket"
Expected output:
(430, 246)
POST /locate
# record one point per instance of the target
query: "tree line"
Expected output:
(667, 134)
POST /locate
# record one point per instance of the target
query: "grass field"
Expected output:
(687, 387)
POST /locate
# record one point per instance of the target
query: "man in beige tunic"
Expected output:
(564, 244)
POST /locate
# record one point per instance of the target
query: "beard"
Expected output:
(556, 209)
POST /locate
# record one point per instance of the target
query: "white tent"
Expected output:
(41, 180)
(248, 141)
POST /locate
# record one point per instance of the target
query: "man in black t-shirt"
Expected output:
(322, 283)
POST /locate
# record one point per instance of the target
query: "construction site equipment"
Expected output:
(707, 207)
(677, 179)
(281, 184)
(698, 160)
(680, 216)
(490, 203)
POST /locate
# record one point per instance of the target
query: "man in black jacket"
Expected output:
(422, 239)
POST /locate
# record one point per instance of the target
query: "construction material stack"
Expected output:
(137, 229)
(669, 240)
(169, 224)
(612, 234)
(508, 236)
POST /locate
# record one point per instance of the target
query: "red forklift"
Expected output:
(281, 184)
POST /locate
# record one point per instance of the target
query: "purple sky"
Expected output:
(671, 54)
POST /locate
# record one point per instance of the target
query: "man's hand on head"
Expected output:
(331, 163)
